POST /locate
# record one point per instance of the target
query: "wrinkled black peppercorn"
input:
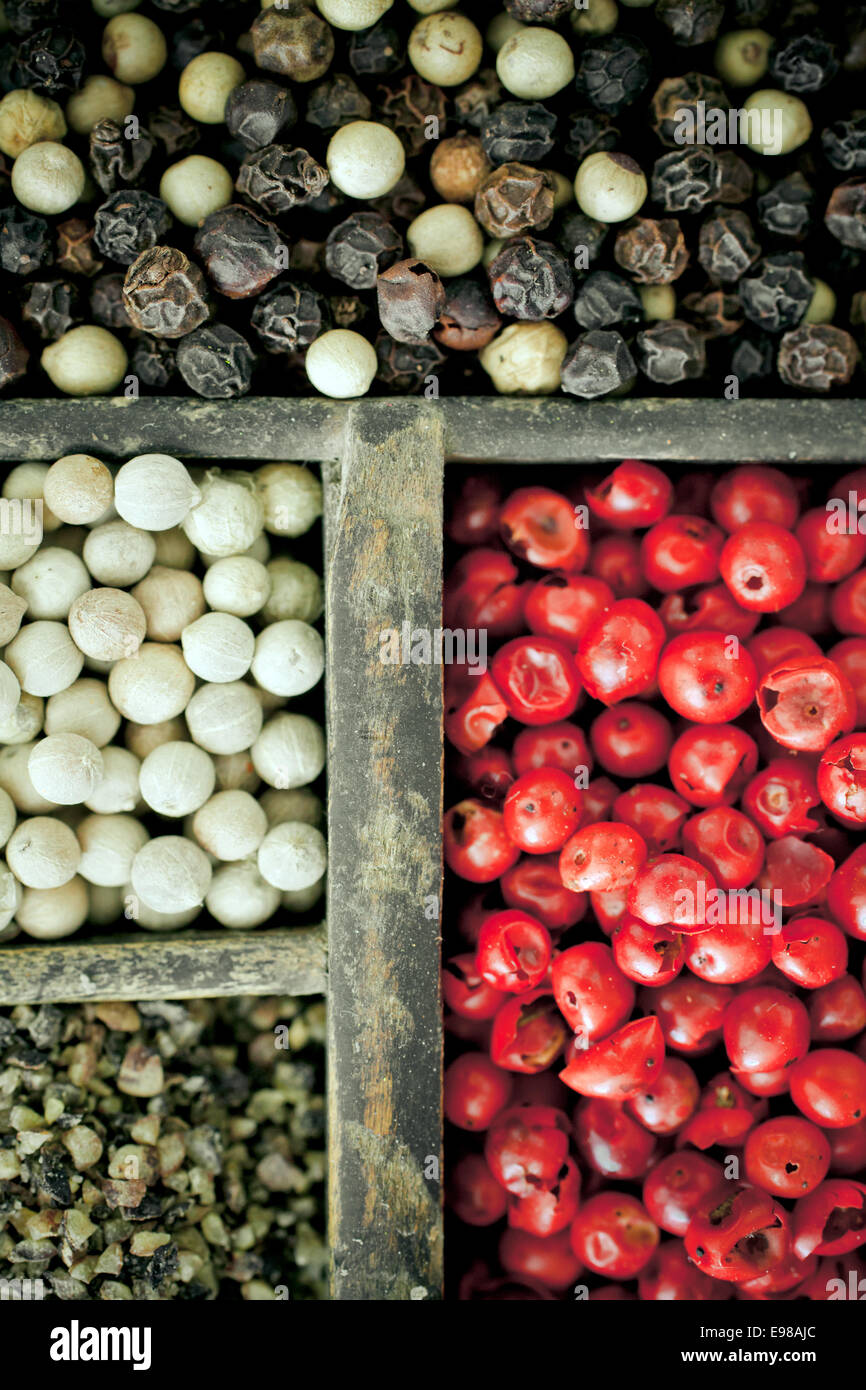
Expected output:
(75, 248)
(52, 61)
(164, 293)
(106, 301)
(804, 64)
(671, 352)
(289, 316)
(469, 320)
(518, 130)
(846, 214)
(474, 101)
(653, 252)
(259, 113)
(129, 222)
(753, 358)
(216, 362)
(588, 133)
(582, 238)
(335, 102)
(538, 11)
(691, 22)
(192, 39)
(411, 298)
(376, 51)
(407, 108)
(530, 280)
(405, 367)
(51, 307)
(786, 209)
(727, 245)
(279, 179)
(26, 16)
(153, 361)
(515, 198)
(404, 202)
(686, 181)
(173, 130)
(777, 293)
(604, 300)
(738, 180)
(13, 355)
(114, 160)
(715, 313)
(598, 363)
(613, 71)
(844, 144)
(359, 249)
(241, 251)
(817, 357)
(25, 241)
(679, 96)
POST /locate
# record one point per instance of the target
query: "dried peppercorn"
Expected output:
(777, 293)
(753, 358)
(686, 181)
(152, 361)
(405, 200)
(289, 316)
(588, 133)
(359, 249)
(259, 113)
(474, 101)
(846, 214)
(406, 367)
(278, 178)
(25, 241)
(407, 108)
(738, 178)
(844, 144)
(347, 310)
(727, 245)
(173, 130)
(605, 299)
(786, 208)
(106, 301)
(376, 51)
(654, 252)
(582, 238)
(24, 16)
(190, 40)
(514, 199)
(716, 313)
(51, 307)
(51, 61)
(13, 355)
(241, 251)
(679, 97)
(75, 253)
(469, 319)
(538, 11)
(165, 293)
(216, 362)
(613, 71)
(458, 167)
(691, 22)
(115, 160)
(817, 357)
(672, 351)
(598, 363)
(518, 130)
(806, 63)
(411, 298)
(333, 103)
(530, 280)
(128, 222)
(293, 41)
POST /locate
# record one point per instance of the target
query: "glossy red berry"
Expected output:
(618, 654)
(774, 646)
(729, 953)
(546, 1212)
(780, 798)
(795, 872)
(807, 703)
(765, 1029)
(475, 1091)
(787, 1156)
(514, 951)
(709, 765)
(712, 609)
(811, 952)
(528, 1033)
(831, 1219)
(837, 1011)
(737, 1233)
(537, 679)
(655, 812)
(486, 774)
(631, 739)
(690, 1012)
(633, 496)
(666, 1104)
(474, 710)
(564, 605)
(482, 592)
(727, 843)
(752, 493)
(474, 515)
(473, 1193)
(648, 955)
(672, 889)
(540, 526)
(464, 990)
(842, 779)
(848, 605)
(616, 560)
(764, 567)
(681, 552)
(542, 809)
(560, 744)
(614, 1235)
(676, 1188)
(549, 1259)
(846, 894)
(591, 991)
(829, 1087)
(707, 677)
(602, 858)
(476, 845)
(610, 1141)
(620, 1065)
(534, 885)
(830, 555)
(526, 1147)
(850, 656)
(670, 1276)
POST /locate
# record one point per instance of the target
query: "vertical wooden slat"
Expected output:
(385, 794)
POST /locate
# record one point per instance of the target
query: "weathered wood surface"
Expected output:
(384, 889)
(152, 966)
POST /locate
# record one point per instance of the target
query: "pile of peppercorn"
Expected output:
(232, 197)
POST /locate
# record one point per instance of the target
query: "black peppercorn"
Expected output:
(582, 238)
(51, 307)
(727, 245)
(786, 208)
(406, 367)
(844, 144)
(753, 358)
(514, 199)
(653, 252)
(376, 51)
(216, 362)
(846, 214)
(278, 178)
(192, 39)
(241, 251)
(604, 300)
(164, 293)
(359, 249)
(335, 102)
(518, 130)
(173, 130)
(260, 112)
(738, 180)
(777, 293)
(804, 64)
(25, 241)
(13, 355)
(289, 316)
(590, 132)
(411, 298)
(598, 363)
(530, 280)
(129, 222)
(115, 160)
(679, 97)
(75, 248)
(469, 320)
(715, 313)
(152, 361)
(52, 61)
(817, 357)
(672, 351)
(346, 310)
(106, 301)
(691, 22)
(26, 16)
(477, 98)
(686, 181)
(293, 41)
(613, 71)
(538, 11)
(407, 109)
(404, 202)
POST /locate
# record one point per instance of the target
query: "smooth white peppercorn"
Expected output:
(25, 483)
(365, 159)
(353, 14)
(65, 768)
(44, 659)
(535, 63)
(289, 658)
(447, 238)
(259, 550)
(302, 899)
(51, 582)
(28, 118)
(106, 905)
(177, 778)
(8, 817)
(742, 57)
(48, 177)
(292, 498)
(170, 600)
(822, 305)
(230, 826)
(154, 492)
(15, 779)
(525, 358)
(134, 48)
(11, 893)
(79, 489)
(50, 913)
(595, 17)
(144, 916)
(229, 516)
(17, 548)
(118, 554)
(446, 49)
(236, 585)
(43, 852)
(195, 187)
(141, 739)
(107, 624)
(610, 187)
(289, 751)
(224, 718)
(292, 856)
(658, 301)
(25, 721)
(99, 98)
(790, 123)
(341, 364)
(171, 874)
(239, 897)
(86, 361)
(218, 647)
(235, 772)
(206, 83)
(154, 685)
(299, 804)
(12, 609)
(500, 30)
(296, 591)
(108, 846)
(83, 708)
(174, 549)
(118, 792)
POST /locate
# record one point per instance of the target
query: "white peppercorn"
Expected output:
(610, 187)
(229, 516)
(154, 685)
(28, 118)
(195, 187)
(341, 364)
(299, 804)
(107, 624)
(206, 83)
(154, 492)
(218, 647)
(658, 301)
(26, 720)
(118, 792)
(446, 49)
(118, 554)
(44, 658)
(525, 358)
(174, 549)
(500, 30)
(51, 582)
(79, 489)
(595, 17)
(290, 751)
(12, 609)
(239, 897)
(8, 817)
(83, 708)
(353, 14)
(292, 498)
(224, 718)
(86, 361)
(235, 772)
(446, 238)
(177, 778)
(302, 899)
(15, 779)
(296, 591)
(170, 599)
(48, 177)
(51, 913)
(289, 658)
(134, 48)
(43, 852)
(535, 63)
(237, 585)
(230, 826)
(742, 57)
(292, 856)
(11, 893)
(145, 917)
(790, 122)
(171, 874)
(141, 739)
(25, 483)
(99, 98)
(108, 846)
(106, 905)
(365, 159)
(822, 305)
(65, 768)
(259, 550)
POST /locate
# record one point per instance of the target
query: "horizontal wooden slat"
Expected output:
(152, 966)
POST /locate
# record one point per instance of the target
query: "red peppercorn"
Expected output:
(610, 1141)
(475, 1091)
(850, 656)
(546, 1212)
(670, 1275)
(648, 955)
(711, 764)
(474, 709)
(563, 605)
(774, 646)
(672, 889)
(537, 679)
(620, 1065)
(514, 951)
(737, 1233)
(528, 1033)
(837, 1011)
(541, 526)
(618, 654)
(474, 514)
(729, 953)
(707, 677)
(842, 779)
(711, 609)
(669, 1101)
(727, 843)
(473, 1193)
(779, 798)
(677, 1186)
(787, 1156)
(690, 1012)
(616, 560)
(846, 894)
(811, 952)
(535, 886)
(680, 552)
(526, 1147)
(829, 1087)
(752, 493)
(633, 496)
(655, 812)
(764, 567)
(807, 703)
(614, 1235)
(830, 556)
(464, 990)
(481, 592)
(476, 844)
(831, 1219)
(631, 739)
(764, 1030)
(602, 858)
(591, 991)
(549, 1259)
